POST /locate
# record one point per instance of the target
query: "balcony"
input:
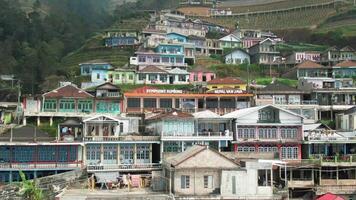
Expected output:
(121, 138)
(29, 166)
(125, 167)
(109, 94)
(338, 160)
(200, 136)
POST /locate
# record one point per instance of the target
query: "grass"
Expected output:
(267, 81)
(130, 87)
(291, 47)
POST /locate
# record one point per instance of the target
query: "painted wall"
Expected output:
(198, 76)
(99, 75)
(217, 86)
(237, 57)
(178, 37)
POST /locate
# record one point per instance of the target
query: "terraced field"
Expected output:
(282, 20)
(273, 5)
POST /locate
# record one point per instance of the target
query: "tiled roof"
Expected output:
(228, 80)
(178, 71)
(69, 91)
(309, 65)
(171, 115)
(26, 134)
(347, 48)
(107, 86)
(278, 87)
(152, 69)
(346, 63)
(200, 68)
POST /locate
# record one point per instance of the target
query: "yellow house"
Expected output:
(229, 82)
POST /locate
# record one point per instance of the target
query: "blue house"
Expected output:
(87, 68)
(178, 37)
(99, 75)
(118, 41)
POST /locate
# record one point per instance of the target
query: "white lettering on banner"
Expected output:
(228, 91)
(164, 91)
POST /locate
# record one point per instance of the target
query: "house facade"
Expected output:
(265, 52)
(299, 57)
(268, 129)
(237, 57)
(230, 41)
(157, 75)
(227, 83)
(87, 68)
(148, 99)
(201, 75)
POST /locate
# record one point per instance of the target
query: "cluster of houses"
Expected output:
(205, 143)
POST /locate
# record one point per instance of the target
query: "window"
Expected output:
(152, 77)
(268, 149)
(208, 182)
(130, 77)
(46, 153)
(289, 133)
(165, 59)
(117, 77)
(246, 133)
(149, 103)
(141, 77)
(110, 153)
(165, 103)
(264, 177)
(182, 78)
(97, 76)
(143, 152)
(267, 133)
(195, 77)
(171, 60)
(67, 104)
(246, 149)
(141, 59)
(50, 105)
(289, 153)
(127, 153)
(185, 182)
(172, 147)
(156, 59)
(163, 78)
(85, 105)
(179, 60)
(133, 103)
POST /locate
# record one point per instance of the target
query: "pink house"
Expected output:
(201, 74)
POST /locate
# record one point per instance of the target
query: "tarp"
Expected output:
(329, 196)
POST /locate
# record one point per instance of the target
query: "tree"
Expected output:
(29, 189)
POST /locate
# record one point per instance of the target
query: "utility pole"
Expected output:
(18, 101)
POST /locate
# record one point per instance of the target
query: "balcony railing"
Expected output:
(59, 165)
(143, 166)
(199, 135)
(121, 138)
(347, 158)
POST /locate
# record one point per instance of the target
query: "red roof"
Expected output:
(228, 80)
(309, 65)
(69, 91)
(329, 196)
(346, 63)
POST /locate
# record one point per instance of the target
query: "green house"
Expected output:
(122, 76)
(68, 98)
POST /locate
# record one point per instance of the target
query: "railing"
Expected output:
(270, 101)
(112, 94)
(121, 138)
(348, 158)
(64, 165)
(205, 134)
(143, 166)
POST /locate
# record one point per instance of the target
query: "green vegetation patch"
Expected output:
(267, 81)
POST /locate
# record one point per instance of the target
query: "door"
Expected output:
(171, 79)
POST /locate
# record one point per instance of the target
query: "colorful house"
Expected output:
(267, 129)
(228, 82)
(264, 52)
(312, 69)
(37, 154)
(201, 75)
(166, 55)
(345, 69)
(230, 41)
(122, 76)
(177, 37)
(148, 99)
(87, 68)
(107, 99)
(157, 75)
(237, 56)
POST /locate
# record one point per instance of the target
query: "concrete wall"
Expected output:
(285, 118)
(196, 181)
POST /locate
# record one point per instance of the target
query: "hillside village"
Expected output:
(191, 109)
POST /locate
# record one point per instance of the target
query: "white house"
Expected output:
(238, 56)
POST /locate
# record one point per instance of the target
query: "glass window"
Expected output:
(67, 105)
(141, 77)
(127, 153)
(156, 59)
(110, 153)
(93, 153)
(133, 103)
(149, 103)
(50, 105)
(208, 182)
(165, 103)
(46, 153)
(165, 59)
(142, 59)
(289, 152)
(179, 60)
(143, 152)
(185, 182)
(85, 105)
(289, 133)
(163, 78)
(131, 77)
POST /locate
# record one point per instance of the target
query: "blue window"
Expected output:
(23, 154)
(4, 154)
(47, 153)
